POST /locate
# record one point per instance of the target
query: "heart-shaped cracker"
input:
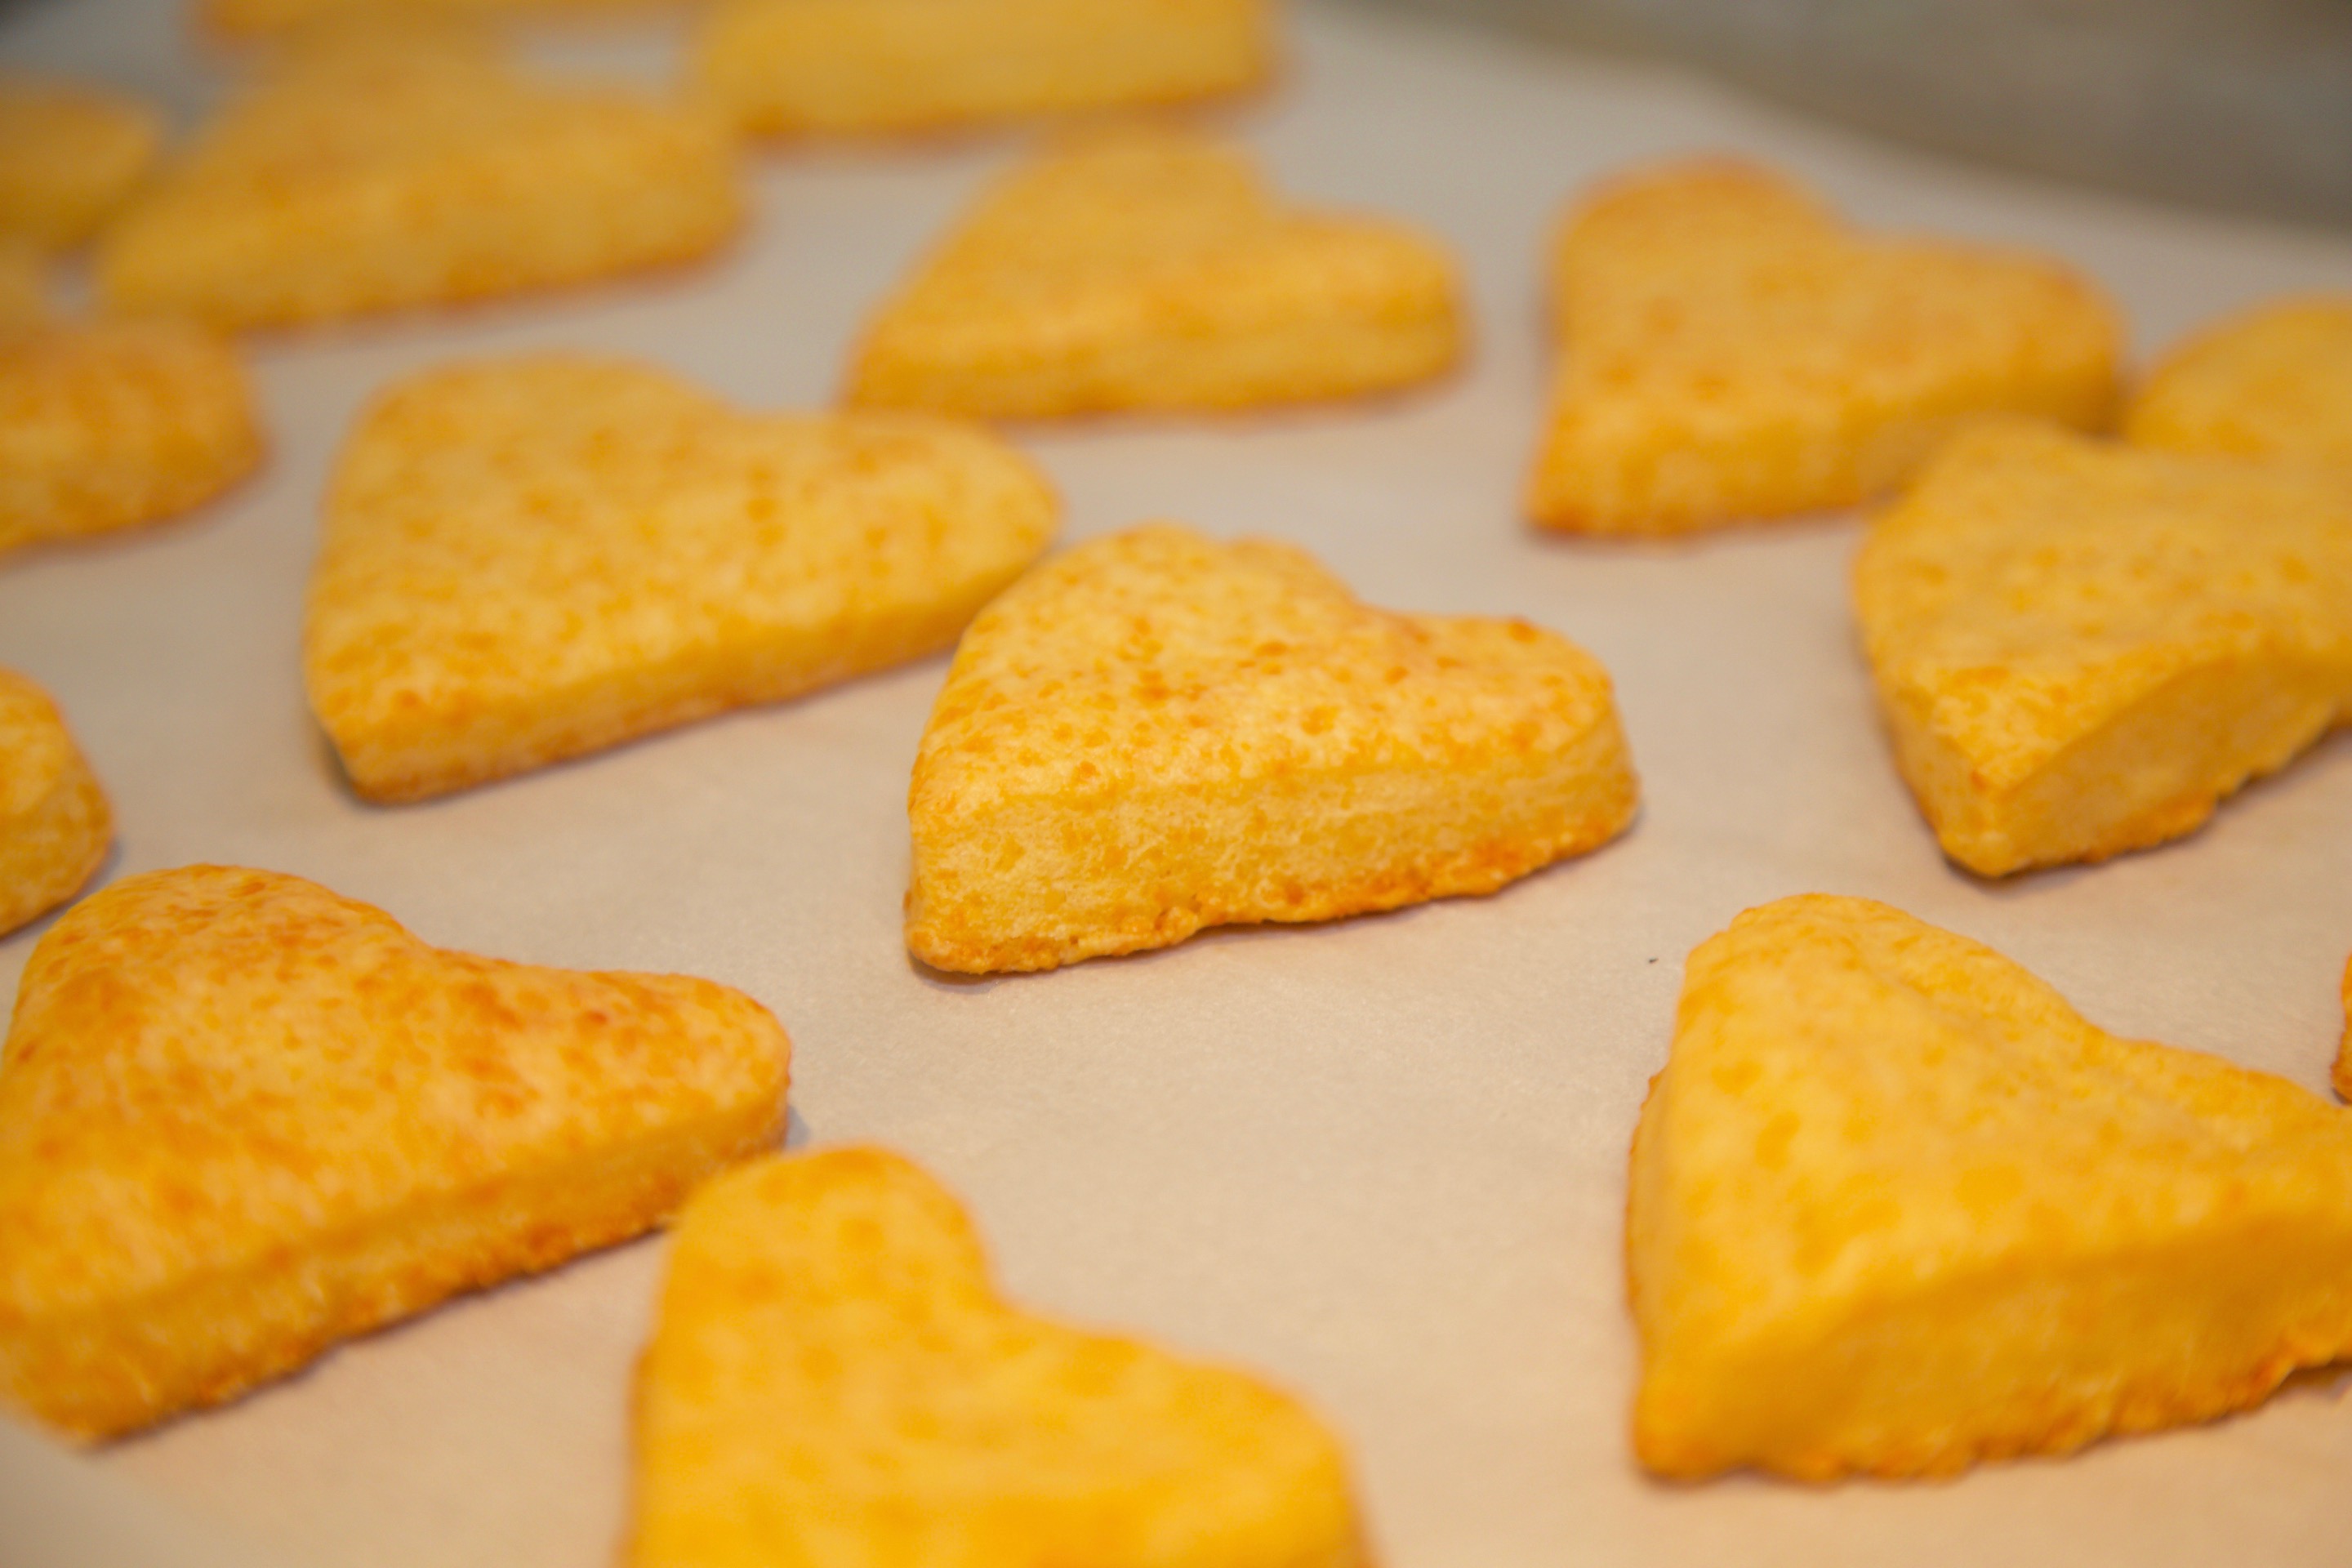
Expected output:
(107, 425)
(2081, 648)
(379, 167)
(242, 1118)
(1154, 733)
(833, 1380)
(1150, 268)
(1896, 1208)
(1729, 349)
(2273, 383)
(785, 67)
(70, 152)
(55, 825)
(531, 559)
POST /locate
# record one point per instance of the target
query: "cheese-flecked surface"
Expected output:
(242, 1118)
(832, 1380)
(379, 166)
(2081, 648)
(529, 559)
(1729, 349)
(1896, 1208)
(54, 824)
(1154, 733)
(2273, 383)
(106, 424)
(70, 152)
(1150, 268)
(797, 66)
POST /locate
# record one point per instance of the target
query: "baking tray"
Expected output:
(1381, 1162)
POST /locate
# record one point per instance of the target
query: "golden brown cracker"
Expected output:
(55, 823)
(833, 1378)
(70, 153)
(796, 66)
(2081, 648)
(527, 560)
(1729, 349)
(1154, 733)
(1150, 268)
(107, 425)
(1897, 1208)
(377, 167)
(2273, 384)
(242, 1118)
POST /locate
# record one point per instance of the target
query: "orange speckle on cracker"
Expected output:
(109, 424)
(1729, 349)
(2273, 384)
(528, 560)
(1150, 268)
(54, 824)
(2081, 648)
(377, 167)
(242, 1118)
(801, 67)
(1987, 1228)
(833, 1378)
(1156, 733)
(70, 153)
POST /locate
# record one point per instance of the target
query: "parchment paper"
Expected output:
(1380, 1162)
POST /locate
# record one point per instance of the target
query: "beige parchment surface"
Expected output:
(1381, 1162)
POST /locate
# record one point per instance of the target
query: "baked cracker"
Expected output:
(379, 166)
(1729, 349)
(833, 1378)
(1896, 1208)
(1154, 733)
(529, 559)
(242, 1118)
(1147, 268)
(2081, 648)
